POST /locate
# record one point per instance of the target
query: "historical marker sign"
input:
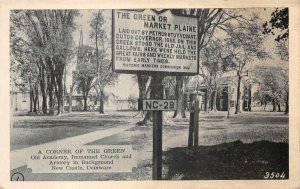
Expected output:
(154, 42)
(165, 105)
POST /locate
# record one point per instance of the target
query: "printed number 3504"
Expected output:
(274, 175)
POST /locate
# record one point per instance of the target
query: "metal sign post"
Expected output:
(157, 93)
(193, 137)
(191, 130)
(196, 122)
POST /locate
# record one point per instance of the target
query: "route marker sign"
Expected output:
(163, 105)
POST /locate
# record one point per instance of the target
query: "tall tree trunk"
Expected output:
(38, 103)
(65, 81)
(44, 103)
(182, 99)
(238, 98)
(55, 94)
(60, 105)
(35, 99)
(34, 105)
(50, 91)
(167, 92)
(207, 102)
(215, 92)
(15, 99)
(98, 100)
(179, 93)
(228, 101)
(250, 98)
(70, 101)
(143, 94)
(31, 99)
(287, 104)
(279, 108)
(101, 107)
(265, 102)
(98, 97)
(214, 107)
(60, 94)
(43, 90)
(274, 105)
(84, 102)
(98, 64)
(57, 67)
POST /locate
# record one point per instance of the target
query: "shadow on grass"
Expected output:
(33, 124)
(67, 114)
(263, 120)
(235, 160)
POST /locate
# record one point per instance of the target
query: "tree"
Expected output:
(282, 50)
(144, 84)
(210, 20)
(48, 34)
(181, 82)
(207, 19)
(105, 76)
(85, 71)
(278, 25)
(245, 44)
(29, 76)
(25, 71)
(215, 62)
(169, 84)
(57, 26)
(262, 97)
(272, 83)
(283, 53)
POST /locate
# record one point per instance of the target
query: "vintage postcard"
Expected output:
(177, 95)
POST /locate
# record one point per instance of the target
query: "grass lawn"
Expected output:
(235, 160)
(245, 146)
(34, 130)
